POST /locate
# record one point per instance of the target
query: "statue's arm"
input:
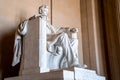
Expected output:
(21, 31)
(72, 32)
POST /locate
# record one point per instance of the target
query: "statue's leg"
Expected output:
(68, 55)
(74, 47)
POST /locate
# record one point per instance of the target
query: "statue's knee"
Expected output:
(64, 36)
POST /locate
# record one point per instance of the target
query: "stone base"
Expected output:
(68, 74)
(54, 75)
(86, 74)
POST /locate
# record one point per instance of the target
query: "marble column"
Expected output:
(111, 14)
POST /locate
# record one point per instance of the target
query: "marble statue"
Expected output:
(21, 31)
(61, 43)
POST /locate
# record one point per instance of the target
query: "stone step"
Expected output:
(54, 75)
(77, 69)
(73, 73)
(100, 77)
(85, 74)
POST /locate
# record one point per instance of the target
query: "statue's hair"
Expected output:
(42, 7)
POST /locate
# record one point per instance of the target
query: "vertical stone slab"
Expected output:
(42, 45)
(34, 58)
(54, 75)
(92, 36)
(85, 74)
(30, 56)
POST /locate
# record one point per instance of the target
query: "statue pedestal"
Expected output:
(54, 75)
(86, 74)
(68, 74)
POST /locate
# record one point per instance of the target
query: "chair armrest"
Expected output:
(73, 33)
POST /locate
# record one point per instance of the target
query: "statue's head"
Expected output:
(43, 10)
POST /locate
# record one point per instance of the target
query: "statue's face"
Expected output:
(43, 10)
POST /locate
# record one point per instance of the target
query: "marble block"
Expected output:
(100, 77)
(85, 74)
(53, 75)
(34, 56)
(30, 63)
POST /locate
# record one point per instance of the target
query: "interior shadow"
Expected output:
(7, 44)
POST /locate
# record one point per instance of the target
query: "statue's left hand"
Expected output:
(74, 30)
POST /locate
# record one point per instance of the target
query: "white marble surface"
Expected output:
(86, 74)
(53, 75)
(42, 45)
(69, 74)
